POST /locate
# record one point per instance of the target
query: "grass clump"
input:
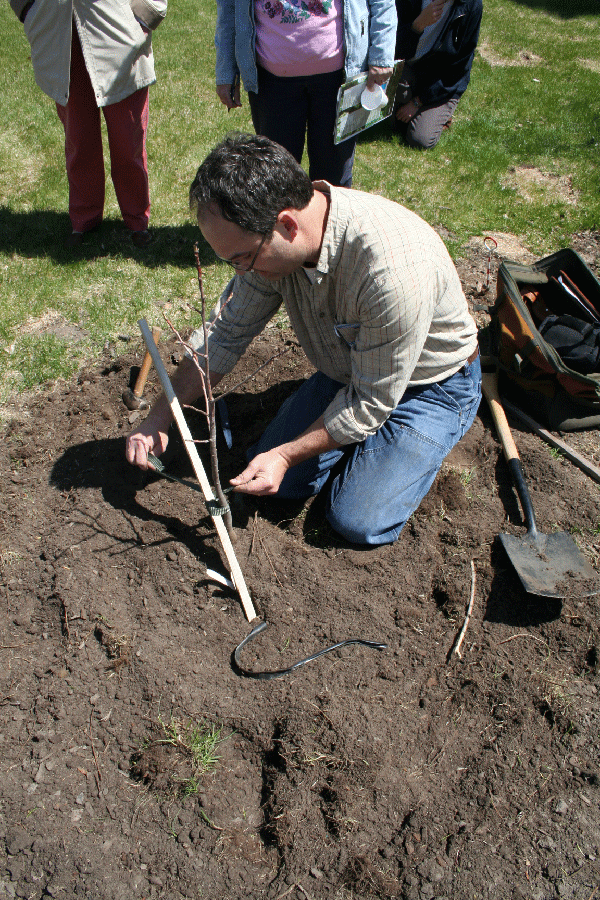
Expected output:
(198, 741)
(178, 755)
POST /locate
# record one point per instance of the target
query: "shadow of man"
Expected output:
(40, 233)
(101, 466)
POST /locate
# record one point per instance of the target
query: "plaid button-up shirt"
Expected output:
(384, 309)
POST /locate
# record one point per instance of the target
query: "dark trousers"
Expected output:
(292, 110)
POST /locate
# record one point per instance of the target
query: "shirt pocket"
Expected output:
(347, 332)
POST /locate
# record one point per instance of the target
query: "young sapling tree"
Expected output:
(210, 402)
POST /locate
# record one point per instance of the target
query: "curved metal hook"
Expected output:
(267, 676)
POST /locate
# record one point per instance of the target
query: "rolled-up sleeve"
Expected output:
(394, 317)
(150, 12)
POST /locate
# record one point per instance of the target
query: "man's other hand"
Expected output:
(429, 16)
(407, 111)
(263, 475)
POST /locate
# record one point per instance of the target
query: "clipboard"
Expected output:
(350, 118)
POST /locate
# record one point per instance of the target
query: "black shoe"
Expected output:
(141, 239)
(73, 240)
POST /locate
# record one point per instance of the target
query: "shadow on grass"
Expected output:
(40, 233)
(382, 132)
(563, 9)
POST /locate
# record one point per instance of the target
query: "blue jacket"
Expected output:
(369, 39)
(444, 72)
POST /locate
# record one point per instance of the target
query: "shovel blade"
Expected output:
(546, 563)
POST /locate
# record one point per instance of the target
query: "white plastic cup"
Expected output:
(373, 98)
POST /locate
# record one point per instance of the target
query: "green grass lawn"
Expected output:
(521, 158)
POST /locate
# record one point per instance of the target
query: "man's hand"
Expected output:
(407, 111)
(263, 475)
(151, 436)
(229, 95)
(148, 438)
(429, 16)
(378, 75)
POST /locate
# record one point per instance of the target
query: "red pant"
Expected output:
(126, 124)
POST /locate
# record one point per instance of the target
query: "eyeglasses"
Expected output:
(240, 267)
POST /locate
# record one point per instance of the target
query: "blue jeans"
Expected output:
(288, 110)
(377, 484)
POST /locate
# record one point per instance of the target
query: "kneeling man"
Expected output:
(376, 304)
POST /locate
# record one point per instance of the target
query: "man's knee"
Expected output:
(359, 529)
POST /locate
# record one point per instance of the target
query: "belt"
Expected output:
(471, 359)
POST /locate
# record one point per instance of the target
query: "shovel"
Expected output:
(543, 562)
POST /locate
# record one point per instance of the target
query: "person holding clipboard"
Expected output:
(291, 57)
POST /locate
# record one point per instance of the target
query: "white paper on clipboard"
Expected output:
(350, 117)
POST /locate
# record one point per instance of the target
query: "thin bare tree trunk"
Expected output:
(210, 409)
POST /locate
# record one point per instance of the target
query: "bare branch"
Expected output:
(210, 406)
(210, 325)
(457, 643)
(194, 357)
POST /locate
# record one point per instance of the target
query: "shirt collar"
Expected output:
(337, 220)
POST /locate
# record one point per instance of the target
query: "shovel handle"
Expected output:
(489, 385)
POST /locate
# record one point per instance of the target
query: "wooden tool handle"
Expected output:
(489, 384)
(140, 383)
(199, 472)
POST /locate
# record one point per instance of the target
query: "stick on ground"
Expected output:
(457, 643)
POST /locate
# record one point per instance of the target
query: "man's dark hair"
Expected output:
(250, 180)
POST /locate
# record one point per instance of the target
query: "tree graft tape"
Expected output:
(211, 505)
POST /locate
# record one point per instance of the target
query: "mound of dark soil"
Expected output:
(407, 772)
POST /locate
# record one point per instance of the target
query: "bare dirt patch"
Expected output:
(53, 323)
(530, 182)
(523, 58)
(391, 774)
(592, 64)
(508, 246)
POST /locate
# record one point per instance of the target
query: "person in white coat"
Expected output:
(91, 56)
